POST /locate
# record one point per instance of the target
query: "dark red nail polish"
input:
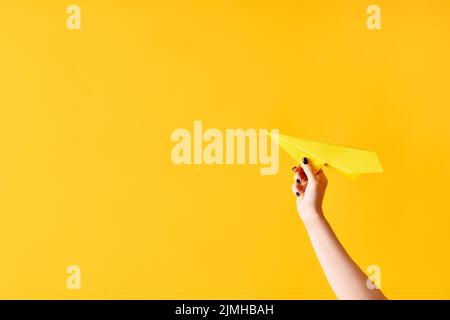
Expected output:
(294, 168)
(305, 161)
(297, 194)
(298, 181)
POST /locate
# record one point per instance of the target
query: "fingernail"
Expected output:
(294, 169)
(305, 161)
(297, 194)
(298, 181)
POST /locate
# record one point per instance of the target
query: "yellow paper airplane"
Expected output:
(349, 161)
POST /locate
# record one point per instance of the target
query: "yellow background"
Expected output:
(85, 124)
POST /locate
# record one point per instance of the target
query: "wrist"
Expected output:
(312, 216)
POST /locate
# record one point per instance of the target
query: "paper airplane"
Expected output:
(348, 161)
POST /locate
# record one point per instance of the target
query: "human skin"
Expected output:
(344, 276)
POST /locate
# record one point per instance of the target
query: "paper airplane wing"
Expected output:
(346, 160)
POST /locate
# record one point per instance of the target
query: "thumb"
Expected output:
(308, 169)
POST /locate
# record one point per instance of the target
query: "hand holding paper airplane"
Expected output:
(349, 161)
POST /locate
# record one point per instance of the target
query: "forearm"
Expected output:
(345, 278)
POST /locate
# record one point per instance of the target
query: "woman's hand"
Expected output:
(345, 277)
(309, 188)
